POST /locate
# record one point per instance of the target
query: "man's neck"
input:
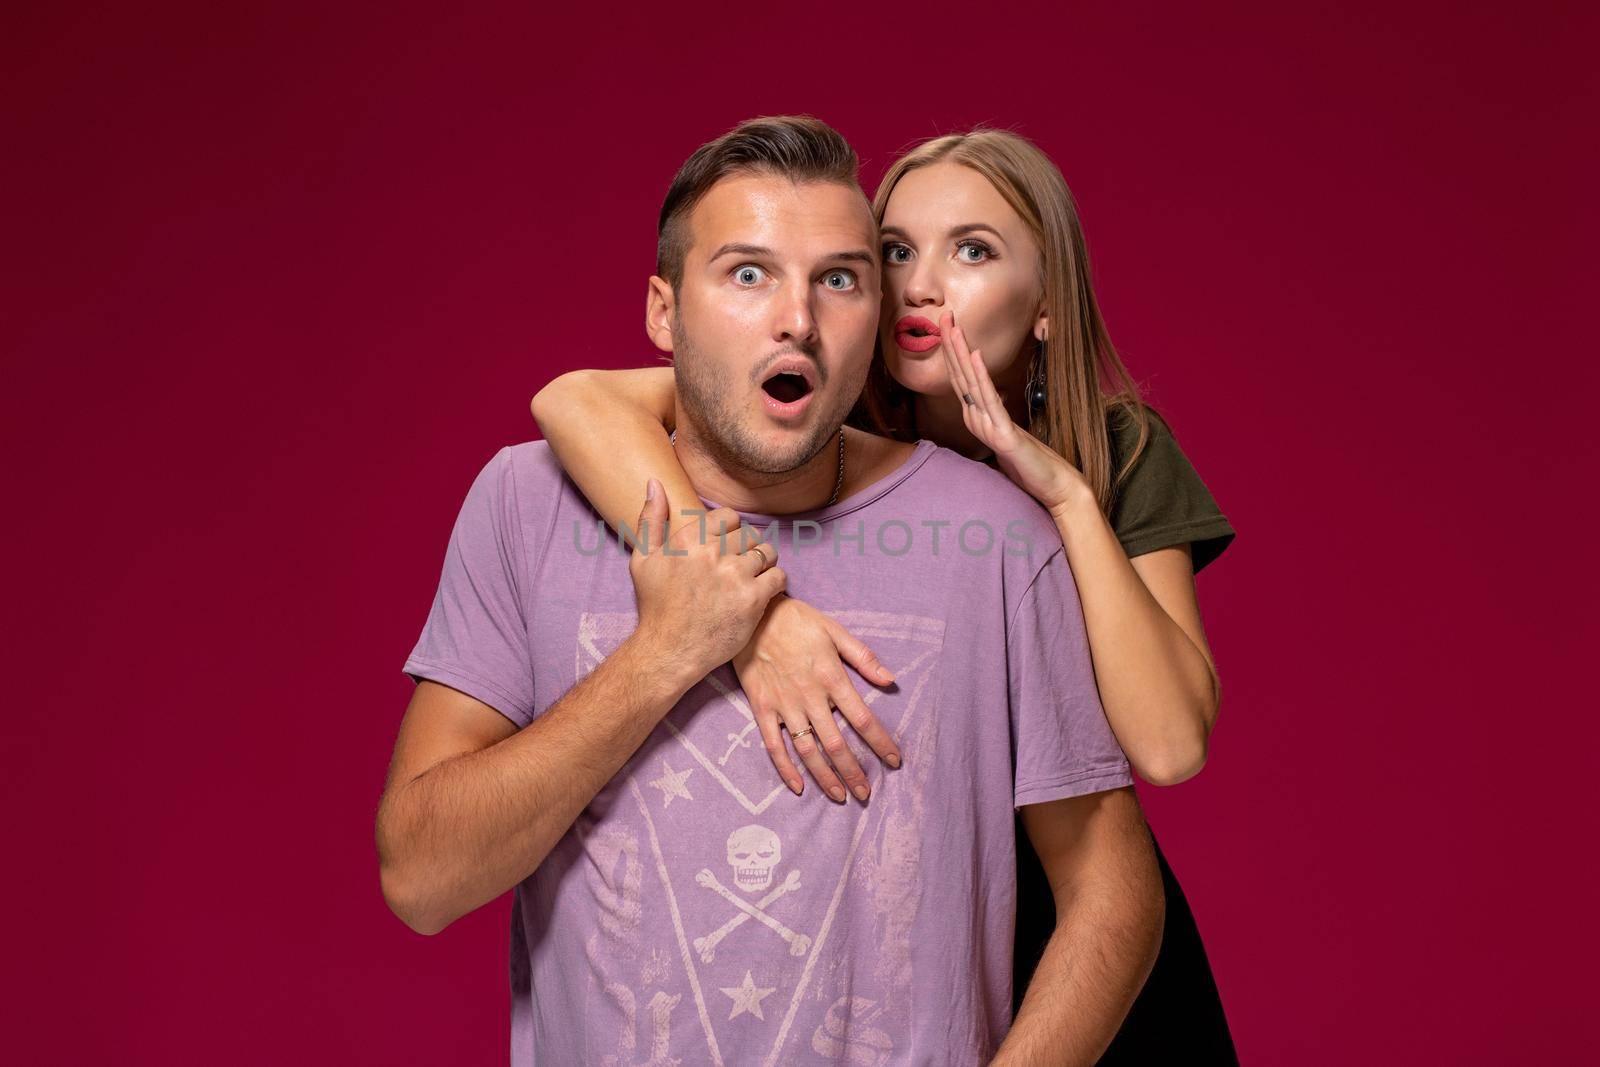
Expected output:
(806, 488)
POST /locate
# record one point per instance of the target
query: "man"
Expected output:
(577, 734)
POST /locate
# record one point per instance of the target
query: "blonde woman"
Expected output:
(991, 343)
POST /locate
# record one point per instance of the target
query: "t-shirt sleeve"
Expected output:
(1063, 745)
(1163, 502)
(476, 637)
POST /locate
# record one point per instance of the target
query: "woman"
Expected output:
(983, 225)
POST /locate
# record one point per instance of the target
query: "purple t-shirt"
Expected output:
(698, 910)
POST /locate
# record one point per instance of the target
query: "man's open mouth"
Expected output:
(787, 385)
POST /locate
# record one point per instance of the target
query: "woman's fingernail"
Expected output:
(893, 760)
(837, 794)
(798, 787)
(861, 793)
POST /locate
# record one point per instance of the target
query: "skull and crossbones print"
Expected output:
(753, 853)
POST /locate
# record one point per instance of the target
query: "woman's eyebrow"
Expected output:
(974, 227)
(955, 231)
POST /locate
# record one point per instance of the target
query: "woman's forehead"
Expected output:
(945, 196)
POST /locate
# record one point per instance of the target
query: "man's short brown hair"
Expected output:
(797, 147)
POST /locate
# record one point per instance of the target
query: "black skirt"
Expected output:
(1177, 1017)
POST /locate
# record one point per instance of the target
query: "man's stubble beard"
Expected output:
(708, 401)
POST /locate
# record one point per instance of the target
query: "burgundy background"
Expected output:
(279, 281)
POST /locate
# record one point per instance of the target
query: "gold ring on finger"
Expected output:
(797, 736)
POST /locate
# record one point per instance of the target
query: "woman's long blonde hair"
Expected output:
(1084, 378)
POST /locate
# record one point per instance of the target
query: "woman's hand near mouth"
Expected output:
(793, 669)
(1038, 469)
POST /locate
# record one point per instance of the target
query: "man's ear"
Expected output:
(660, 310)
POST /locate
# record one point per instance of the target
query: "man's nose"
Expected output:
(795, 320)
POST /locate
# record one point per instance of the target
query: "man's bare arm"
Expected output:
(456, 834)
(1097, 853)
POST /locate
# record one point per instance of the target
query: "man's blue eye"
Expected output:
(748, 275)
(840, 280)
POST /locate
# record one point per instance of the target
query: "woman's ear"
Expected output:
(1041, 326)
(659, 309)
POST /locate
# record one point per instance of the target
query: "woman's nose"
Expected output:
(923, 287)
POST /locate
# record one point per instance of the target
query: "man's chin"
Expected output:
(769, 447)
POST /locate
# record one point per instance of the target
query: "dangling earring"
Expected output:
(1036, 390)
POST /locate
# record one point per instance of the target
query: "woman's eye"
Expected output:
(897, 254)
(748, 275)
(839, 280)
(973, 252)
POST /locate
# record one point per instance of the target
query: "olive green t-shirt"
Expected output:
(1163, 502)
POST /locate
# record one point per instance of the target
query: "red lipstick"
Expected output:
(916, 334)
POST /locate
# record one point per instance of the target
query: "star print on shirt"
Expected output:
(671, 784)
(747, 998)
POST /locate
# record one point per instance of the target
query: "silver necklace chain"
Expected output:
(838, 482)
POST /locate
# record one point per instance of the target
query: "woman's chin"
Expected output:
(919, 375)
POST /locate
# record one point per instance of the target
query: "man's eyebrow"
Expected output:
(734, 248)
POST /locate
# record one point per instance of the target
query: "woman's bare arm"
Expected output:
(1151, 662)
(609, 430)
